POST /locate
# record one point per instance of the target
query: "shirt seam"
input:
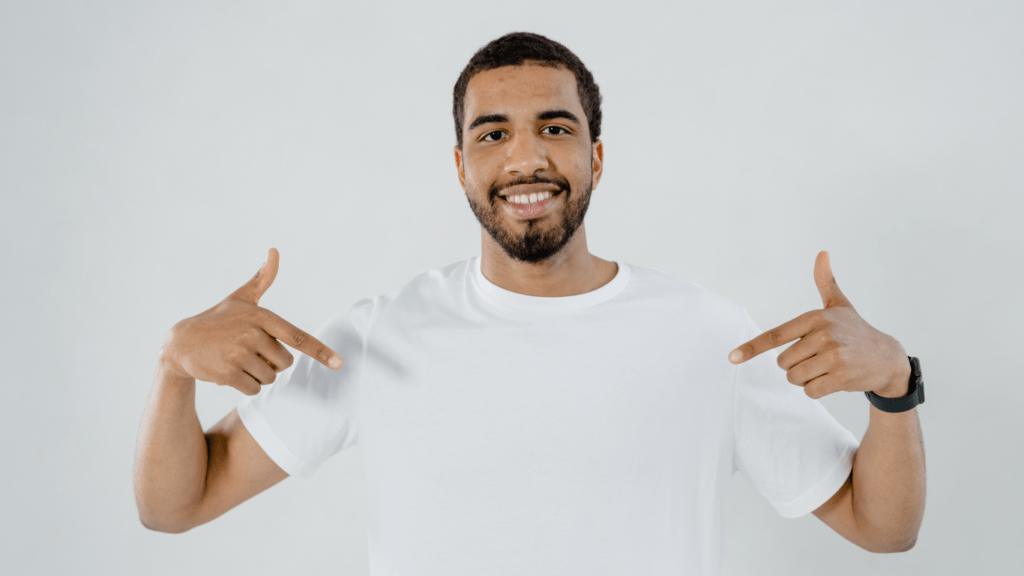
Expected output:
(735, 396)
(362, 370)
(517, 309)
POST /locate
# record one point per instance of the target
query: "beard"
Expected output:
(541, 239)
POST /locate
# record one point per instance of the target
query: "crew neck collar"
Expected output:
(549, 303)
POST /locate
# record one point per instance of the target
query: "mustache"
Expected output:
(562, 183)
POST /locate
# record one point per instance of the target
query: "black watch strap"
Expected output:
(914, 396)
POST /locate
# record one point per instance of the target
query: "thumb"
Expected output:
(253, 290)
(831, 295)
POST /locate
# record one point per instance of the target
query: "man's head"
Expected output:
(528, 117)
(513, 50)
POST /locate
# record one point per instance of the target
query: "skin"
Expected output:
(546, 255)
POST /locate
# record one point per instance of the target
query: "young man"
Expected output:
(537, 409)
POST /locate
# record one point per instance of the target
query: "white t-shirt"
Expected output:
(509, 434)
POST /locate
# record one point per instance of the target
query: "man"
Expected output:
(537, 409)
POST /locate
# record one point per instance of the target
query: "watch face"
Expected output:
(916, 380)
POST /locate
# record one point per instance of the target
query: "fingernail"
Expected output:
(334, 363)
(735, 356)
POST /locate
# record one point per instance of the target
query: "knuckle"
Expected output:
(225, 367)
(772, 336)
(235, 355)
(245, 336)
(839, 354)
(271, 379)
(257, 315)
(838, 364)
(244, 341)
(299, 339)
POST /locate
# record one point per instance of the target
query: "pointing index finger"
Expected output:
(299, 339)
(782, 334)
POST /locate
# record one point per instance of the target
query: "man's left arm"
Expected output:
(837, 350)
(889, 472)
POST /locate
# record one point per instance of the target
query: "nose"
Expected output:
(526, 154)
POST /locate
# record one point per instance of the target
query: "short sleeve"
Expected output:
(788, 446)
(310, 412)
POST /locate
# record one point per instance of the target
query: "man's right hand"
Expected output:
(236, 343)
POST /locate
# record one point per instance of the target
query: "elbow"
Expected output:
(157, 520)
(906, 545)
(893, 546)
(165, 527)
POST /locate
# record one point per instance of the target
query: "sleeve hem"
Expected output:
(270, 443)
(822, 491)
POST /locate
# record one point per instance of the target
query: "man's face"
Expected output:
(525, 132)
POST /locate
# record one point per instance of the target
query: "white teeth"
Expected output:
(528, 198)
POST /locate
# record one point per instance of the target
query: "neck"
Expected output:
(570, 272)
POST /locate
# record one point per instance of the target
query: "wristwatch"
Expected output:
(914, 396)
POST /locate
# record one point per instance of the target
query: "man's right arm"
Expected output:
(183, 477)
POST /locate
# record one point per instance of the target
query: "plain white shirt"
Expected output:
(509, 434)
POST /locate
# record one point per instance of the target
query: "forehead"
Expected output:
(515, 90)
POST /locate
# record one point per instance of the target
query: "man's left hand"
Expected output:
(838, 350)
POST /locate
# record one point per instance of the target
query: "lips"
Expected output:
(530, 210)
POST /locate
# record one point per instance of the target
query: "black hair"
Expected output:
(515, 49)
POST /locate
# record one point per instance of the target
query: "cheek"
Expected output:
(475, 184)
(582, 158)
(580, 168)
(474, 173)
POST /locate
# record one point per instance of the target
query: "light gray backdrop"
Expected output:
(151, 153)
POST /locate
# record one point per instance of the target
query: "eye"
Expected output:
(486, 136)
(563, 130)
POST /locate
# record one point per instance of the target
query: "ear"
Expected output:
(460, 167)
(597, 161)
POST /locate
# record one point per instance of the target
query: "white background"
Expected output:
(151, 153)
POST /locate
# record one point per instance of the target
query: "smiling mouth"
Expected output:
(530, 211)
(554, 195)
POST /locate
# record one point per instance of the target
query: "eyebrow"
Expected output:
(545, 115)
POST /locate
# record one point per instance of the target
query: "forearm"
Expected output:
(171, 456)
(889, 477)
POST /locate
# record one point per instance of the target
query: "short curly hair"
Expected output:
(515, 49)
